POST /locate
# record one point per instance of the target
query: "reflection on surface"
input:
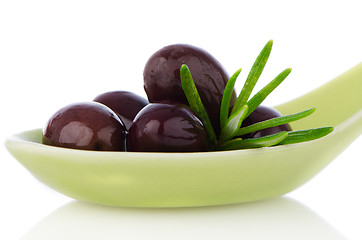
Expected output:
(281, 218)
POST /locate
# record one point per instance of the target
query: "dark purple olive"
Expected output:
(167, 128)
(262, 113)
(86, 126)
(125, 104)
(162, 78)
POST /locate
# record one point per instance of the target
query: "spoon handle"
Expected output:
(336, 101)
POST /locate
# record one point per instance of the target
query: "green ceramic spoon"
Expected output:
(202, 179)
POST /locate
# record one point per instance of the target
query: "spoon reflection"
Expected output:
(281, 218)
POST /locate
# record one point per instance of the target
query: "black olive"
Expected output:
(87, 126)
(162, 78)
(125, 104)
(163, 127)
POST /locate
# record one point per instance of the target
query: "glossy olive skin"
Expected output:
(86, 126)
(262, 113)
(162, 78)
(125, 104)
(167, 128)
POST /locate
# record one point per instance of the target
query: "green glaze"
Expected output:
(202, 179)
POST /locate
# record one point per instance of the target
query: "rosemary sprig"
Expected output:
(266, 141)
(243, 107)
(274, 122)
(193, 97)
(306, 135)
(253, 76)
(226, 97)
(230, 129)
(259, 97)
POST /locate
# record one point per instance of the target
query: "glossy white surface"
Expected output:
(91, 47)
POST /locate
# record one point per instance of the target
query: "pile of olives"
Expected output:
(124, 121)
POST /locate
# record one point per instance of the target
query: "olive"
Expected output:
(162, 78)
(262, 113)
(125, 104)
(86, 126)
(161, 127)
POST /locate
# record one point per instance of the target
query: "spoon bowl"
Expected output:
(134, 179)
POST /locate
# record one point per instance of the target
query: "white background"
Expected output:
(56, 52)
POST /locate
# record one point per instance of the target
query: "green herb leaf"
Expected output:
(243, 107)
(253, 76)
(259, 97)
(193, 97)
(274, 122)
(266, 141)
(225, 102)
(306, 135)
(233, 124)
